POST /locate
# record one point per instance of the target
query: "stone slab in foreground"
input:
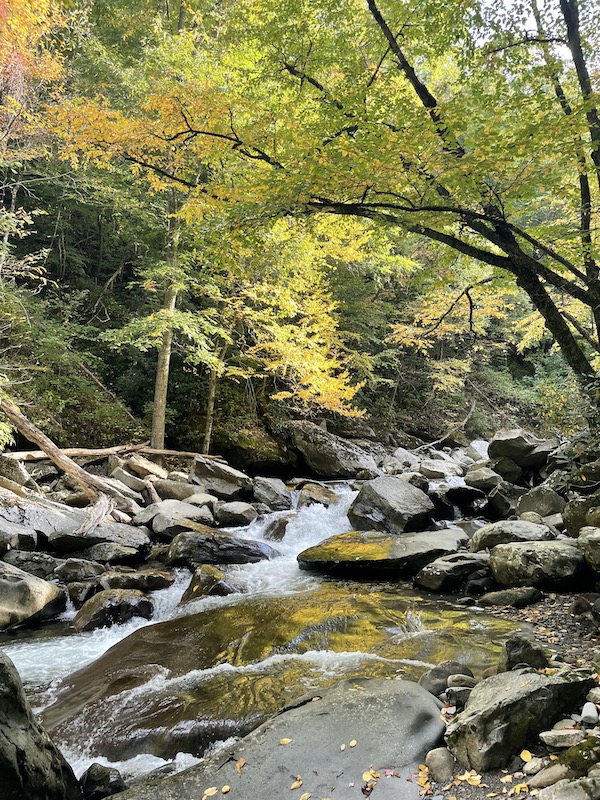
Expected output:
(394, 723)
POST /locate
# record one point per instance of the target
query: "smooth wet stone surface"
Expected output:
(375, 553)
(362, 711)
(182, 684)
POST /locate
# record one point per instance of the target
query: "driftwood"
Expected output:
(92, 486)
(85, 452)
(103, 506)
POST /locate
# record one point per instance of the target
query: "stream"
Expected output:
(196, 677)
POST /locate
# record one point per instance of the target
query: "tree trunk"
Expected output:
(210, 409)
(92, 486)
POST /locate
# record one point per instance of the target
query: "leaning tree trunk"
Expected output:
(92, 486)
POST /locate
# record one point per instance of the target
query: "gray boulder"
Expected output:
(542, 500)
(143, 467)
(484, 478)
(313, 762)
(212, 547)
(77, 569)
(42, 565)
(169, 508)
(437, 468)
(111, 553)
(31, 766)
(329, 455)
(376, 553)
(522, 649)
(588, 542)
(128, 479)
(587, 788)
(166, 526)
(449, 573)
(405, 457)
(502, 500)
(273, 492)
(579, 512)
(24, 598)
(522, 447)
(220, 479)
(235, 514)
(145, 580)
(435, 680)
(174, 490)
(65, 541)
(517, 597)
(390, 504)
(14, 536)
(508, 531)
(545, 565)
(506, 712)
(478, 450)
(315, 493)
(206, 582)
(506, 468)
(112, 607)
(98, 782)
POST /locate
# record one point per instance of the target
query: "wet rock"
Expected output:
(508, 531)
(42, 565)
(544, 565)
(542, 500)
(206, 581)
(522, 447)
(375, 553)
(507, 711)
(390, 504)
(440, 763)
(98, 782)
(235, 514)
(522, 649)
(31, 766)
(24, 598)
(435, 680)
(220, 479)
(312, 493)
(273, 492)
(212, 547)
(517, 597)
(329, 455)
(145, 580)
(112, 607)
(174, 490)
(276, 529)
(318, 728)
(449, 573)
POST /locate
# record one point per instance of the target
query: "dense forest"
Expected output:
(217, 216)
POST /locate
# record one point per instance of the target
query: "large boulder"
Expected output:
(579, 512)
(363, 712)
(273, 493)
(507, 711)
(508, 531)
(481, 477)
(438, 468)
(112, 607)
(390, 504)
(235, 514)
(522, 447)
(40, 564)
(14, 536)
(588, 542)
(545, 565)
(376, 553)
(541, 500)
(146, 580)
(31, 766)
(329, 455)
(315, 493)
(174, 490)
(212, 547)
(220, 479)
(70, 541)
(26, 598)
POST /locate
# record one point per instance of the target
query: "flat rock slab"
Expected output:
(393, 724)
(372, 553)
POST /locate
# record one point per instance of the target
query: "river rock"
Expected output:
(316, 493)
(129, 479)
(220, 479)
(31, 766)
(522, 649)
(484, 478)
(478, 450)
(587, 788)
(390, 504)
(112, 607)
(98, 782)
(542, 500)
(506, 468)
(212, 547)
(435, 680)
(507, 711)
(439, 469)
(317, 729)
(522, 447)
(273, 492)
(174, 490)
(24, 598)
(166, 526)
(449, 573)
(405, 457)
(42, 565)
(440, 763)
(562, 739)
(111, 553)
(235, 514)
(145, 580)
(508, 531)
(549, 776)
(502, 501)
(143, 467)
(77, 569)
(275, 529)
(114, 532)
(544, 565)
(207, 580)
(376, 553)
(328, 455)
(16, 537)
(517, 597)
(202, 499)
(588, 542)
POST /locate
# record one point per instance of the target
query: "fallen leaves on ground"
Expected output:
(239, 764)
(210, 792)
(297, 783)
(285, 741)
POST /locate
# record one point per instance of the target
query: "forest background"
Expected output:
(217, 216)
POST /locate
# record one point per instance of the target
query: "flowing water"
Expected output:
(144, 693)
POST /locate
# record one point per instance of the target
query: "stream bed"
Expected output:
(196, 677)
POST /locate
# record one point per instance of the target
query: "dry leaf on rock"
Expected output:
(297, 783)
(239, 764)
(285, 741)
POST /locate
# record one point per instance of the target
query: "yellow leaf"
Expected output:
(285, 741)
(474, 780)
(520, 787)
(225, 789)
(342, 747)
(239, 764)
(353, 743)
(526, 755)
(297, 783)
(210, 792)
(305, 796)
(506, 779)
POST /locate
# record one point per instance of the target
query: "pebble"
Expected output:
(440, 763)
(535, 765)
(562, 739)
(589, 714)
(594, 695)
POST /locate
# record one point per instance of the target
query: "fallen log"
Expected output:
(122, 449)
